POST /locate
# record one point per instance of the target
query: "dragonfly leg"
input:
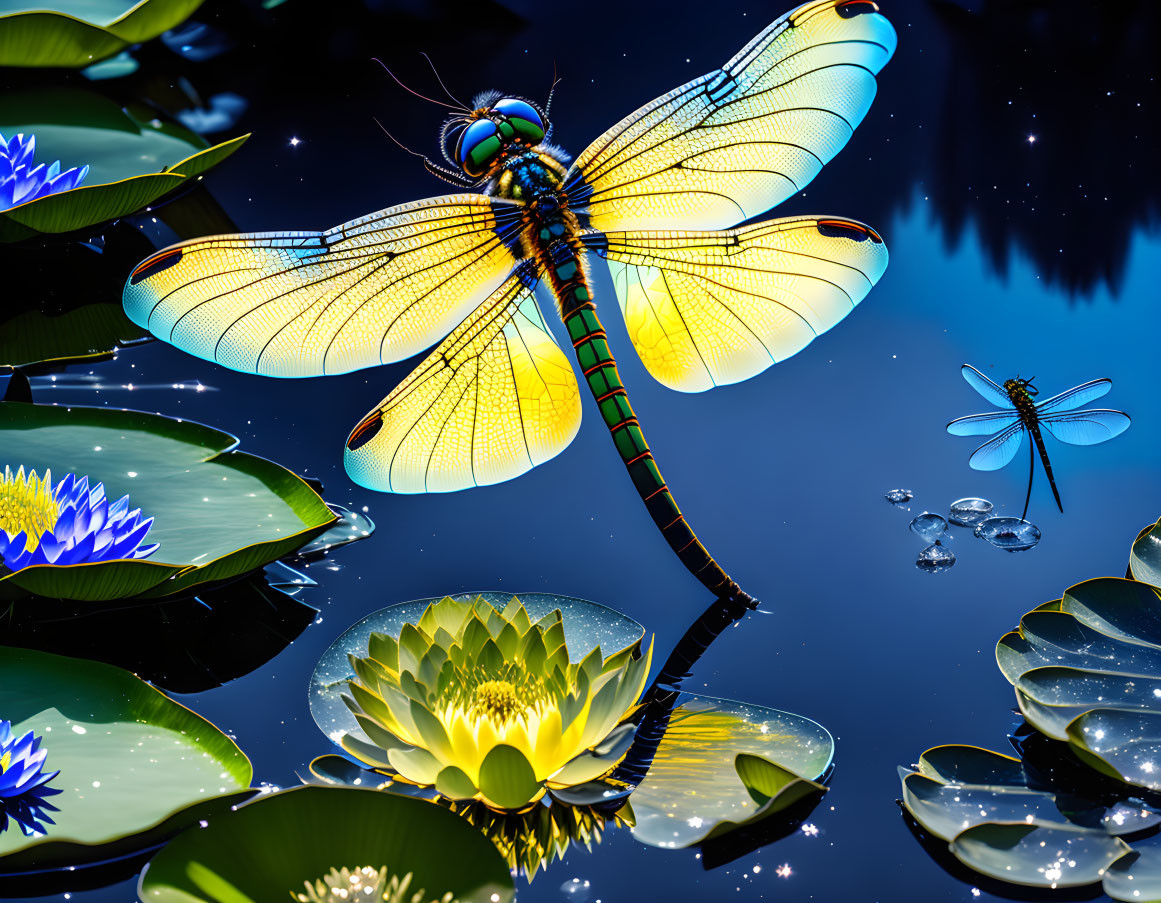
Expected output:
(604, 381)
(1031, 474)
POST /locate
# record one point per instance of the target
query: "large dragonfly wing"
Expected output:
(706, 309)
(992, 392)
(493, 400)
(1076, 396)
(375, 290)
(998, 450)
(743, 138)
(1085, 427)
(982, 424)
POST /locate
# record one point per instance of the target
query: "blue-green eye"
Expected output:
(477, 146)
(523, 117)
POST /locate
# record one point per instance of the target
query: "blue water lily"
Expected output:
(23, 781)
(21, 181)
(71, 524)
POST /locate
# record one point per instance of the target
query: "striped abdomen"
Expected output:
(604, 381)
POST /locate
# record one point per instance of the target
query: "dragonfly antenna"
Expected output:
(412, 90)
(442, 172)
(463, 106)
(552, 90)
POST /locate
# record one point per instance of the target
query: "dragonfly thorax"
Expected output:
(533, 177)
(1021, 392)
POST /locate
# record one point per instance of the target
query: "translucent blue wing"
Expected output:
(998, 450)
(982, 424)
(992, 392)
(1076, 396)
(1085, 427)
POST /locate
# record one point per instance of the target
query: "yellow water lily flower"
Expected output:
(486, 704)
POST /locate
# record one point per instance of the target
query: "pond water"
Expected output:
(1009, 163)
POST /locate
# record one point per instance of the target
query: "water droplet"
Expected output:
(899, 496)
(935, 558)
(577, 889)
(969, 512)
(929, 526)
(1009, 533)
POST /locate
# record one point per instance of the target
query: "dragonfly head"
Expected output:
(497, 126)
(1020, 385)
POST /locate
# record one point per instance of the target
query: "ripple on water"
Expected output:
(969, 512)
(1009, 533)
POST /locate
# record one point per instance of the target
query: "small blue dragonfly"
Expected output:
(1057, 416)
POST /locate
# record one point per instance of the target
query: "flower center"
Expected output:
(27, 505)
(5, 761)
(498, 700)
(364, 883)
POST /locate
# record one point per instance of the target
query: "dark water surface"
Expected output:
(1032, 257)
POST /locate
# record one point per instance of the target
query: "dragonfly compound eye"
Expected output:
(478, 146)
(525, 119)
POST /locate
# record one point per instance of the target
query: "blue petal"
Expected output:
(64, 487)
(66, 524)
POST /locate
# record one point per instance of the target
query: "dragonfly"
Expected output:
(1058, 416)
(658, 198)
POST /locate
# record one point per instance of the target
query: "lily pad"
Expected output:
(134, 157)
(1049, 857)
(1089, 674)
(135, 766)
(724, 764)
(268, 849)
(984, 805)
(77, 33)
(1135, 878)
(219, 512)
(1145, 557)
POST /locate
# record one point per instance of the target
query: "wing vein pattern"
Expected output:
(376, 290)
(705, 309)
(493, 400)
(737, 141)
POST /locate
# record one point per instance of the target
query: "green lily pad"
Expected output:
(133, 156)
(268, 849)
(135, 766)
(219, 512)
(1089, 674)
(76, 33)
(724, 764)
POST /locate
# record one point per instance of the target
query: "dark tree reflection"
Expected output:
(1047, 132)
